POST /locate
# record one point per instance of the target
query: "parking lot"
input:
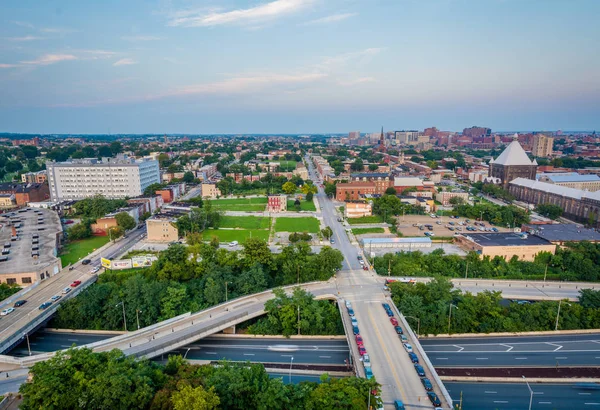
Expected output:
(406, 225)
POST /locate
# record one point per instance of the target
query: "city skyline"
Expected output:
(298, 66)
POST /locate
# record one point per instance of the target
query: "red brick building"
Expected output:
(25, 193)
(276, 203)
(353, 190)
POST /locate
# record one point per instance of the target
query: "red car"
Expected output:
(75, 283)
(394, 321)
(362, 350)
(359, 340)
(365, 267)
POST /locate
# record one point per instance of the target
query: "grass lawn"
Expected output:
(246, 222)
(240, 204)
(77, 250)
(308, 224)
(373, 219)
(240, 235)
(286, 165)
(304, 205)
(362, 231)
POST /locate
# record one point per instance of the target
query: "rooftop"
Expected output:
(564, 232)
(367, 241)
(505, 239)
(573, 177)
(514, 154)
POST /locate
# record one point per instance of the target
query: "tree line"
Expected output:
(79, 378)
(483, 312)
(192, 278)
(574, 262)
(509, 215)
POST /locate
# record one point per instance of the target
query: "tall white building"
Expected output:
(112, 177)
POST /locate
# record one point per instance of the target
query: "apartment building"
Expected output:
(119, 177)
(162, 228)
(34, 177)
(542, 145)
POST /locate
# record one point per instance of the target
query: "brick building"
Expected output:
(276, 203)
(512, 163)
(25, 193)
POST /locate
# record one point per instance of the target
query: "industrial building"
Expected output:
(505, 244)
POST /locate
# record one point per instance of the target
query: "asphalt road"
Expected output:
(12, 384)
(54, 286)
(525, 351)
(42, 342)
(390, 363)
(516, 396)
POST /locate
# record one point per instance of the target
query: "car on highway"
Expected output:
(427, 384)
(332, 241)
(95, 269)
(7, 311)
(86, 262)
(433, 398)
(413, 357)
(351, 312)
(365, 267)
(55, 298)
(389, 312)
(407, 347)
(359, 340)
(354, 321)
(355, 330)
(398, 405)
(362, 351)
(359, 258)
(403, 338)
(398, 330)
(75, 283)
(44, 305)
(348, 304)
(66, 290)
(386, 306)
(420, 371)
(369, 373)
(394, 321)
(19, 303)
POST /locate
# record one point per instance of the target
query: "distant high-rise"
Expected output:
(354, 135)
(476, 132)
(542, 145)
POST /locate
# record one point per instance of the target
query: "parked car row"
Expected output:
(359, 341)
(413, 358)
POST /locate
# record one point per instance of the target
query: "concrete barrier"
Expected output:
(355, 359)
(505, 334)
(468, 379)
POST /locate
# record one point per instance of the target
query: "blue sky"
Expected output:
(294, 66)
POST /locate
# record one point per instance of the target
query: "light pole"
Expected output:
(28, 346)
(418, 324)
(124, 319)
(226, 296)
(467, 270)
(557, 315)
(298, 320)
(137, 316)
(545, 273)
(291, 363)
(186, 352)
(450, 315)
(530, 392)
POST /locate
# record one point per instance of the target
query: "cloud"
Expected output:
(252, 15)
(124, 61)
(330, 19)
(23, 24)
(25, 38)
(48, 59)
(57, 30)
(357, 81)
(361, 57)
(9, 65)
(140, 38)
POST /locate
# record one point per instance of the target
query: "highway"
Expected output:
(516, 396)
(390, 364)
(524, 351)
(54, 286)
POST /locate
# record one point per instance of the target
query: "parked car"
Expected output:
(369, 373)
(403, 338)
(407, 347)
(365, 267)
(434, 399)
(389, 313)
(351, 312)
(420, 371)
(362, 350)
(355, 330)
(7, 311)
(386, 306)
(413, 357)
(394, 321)
(354, 321)
(20, 303)
(44, 305)
(427, 384)
(348, 304)
(398, 330)
(359, 340)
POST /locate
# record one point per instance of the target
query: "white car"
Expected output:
(232, 244)
(7, 311)
(66, 290)
(95, 269)
(348, 305)
(407, 347)
(432, 215)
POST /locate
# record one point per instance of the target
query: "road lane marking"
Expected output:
(325, 357)
(509, 346)
(72, 340)
(544, 402)
(560, 358)
(286, 355)
(481, 358)
(459, 347)
(584, 394)
(210, 352)
(248, 354)
(592, 404)
(441, 358)
(490, 392)
(501, 401)
(520, 358)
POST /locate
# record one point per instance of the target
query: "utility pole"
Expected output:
(124, 318)
(450, 315)
(557, 315)
(467, 270)
(545, 273)
(137, 316)
(226, 291)
(298, 320)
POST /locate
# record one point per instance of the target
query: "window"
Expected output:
(11, 281)
(26, 280)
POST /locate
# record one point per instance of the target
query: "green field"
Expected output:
(309, 224)
(79, 249)
(362, 231)
(304, 205)
(245, 222)
(240, 235)
(373, 219)
(240, 204)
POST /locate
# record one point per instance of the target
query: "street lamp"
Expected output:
(291, 363)
(124, 319)
(418, 323)
(226, 298)
(557, 315)
(530, 392)
(450, 315)
(137, 316)
(186, 352)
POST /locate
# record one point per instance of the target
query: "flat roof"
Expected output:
(19, 258)
(564, 232)
(396, 240)
(505, 239)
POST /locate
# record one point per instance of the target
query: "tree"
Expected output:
(297, 205)
(327, 232)
(29, 151)
(373, 167)
(188, 177)
(13, 166)
(190, 398)
(116, 147)
(33, 166)
(390, 191)
(549, 210)
(125, 221)
(330, 188)
(289, 188)
(309, 188)
(456, 200)
(152, 188)
(357, 165)
(78, 231)
(309, 197)
(104, 151)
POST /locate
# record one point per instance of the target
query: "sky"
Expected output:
(298, 66)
